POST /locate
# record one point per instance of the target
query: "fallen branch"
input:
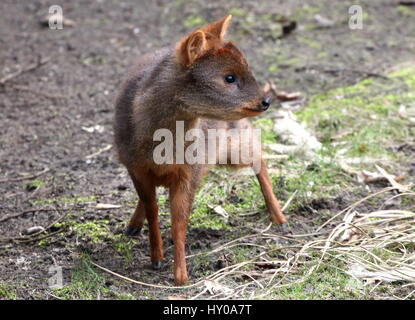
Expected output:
(10, 216)
(28, 68)
(392, 180)
(39, 93)
(25, 178)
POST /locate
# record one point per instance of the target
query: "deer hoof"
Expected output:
(157, 265)
(132, 231)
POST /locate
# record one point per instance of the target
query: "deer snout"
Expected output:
(264, 105)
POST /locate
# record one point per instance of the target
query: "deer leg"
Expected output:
(271, 201)
(181, 198)
(147, 207)
(137, 220)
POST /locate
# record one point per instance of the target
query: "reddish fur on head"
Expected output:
(200, 42)
(206, 59)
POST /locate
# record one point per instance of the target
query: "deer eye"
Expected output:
(230, 78)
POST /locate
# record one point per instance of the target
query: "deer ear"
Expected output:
(218, 28)
(191, 47)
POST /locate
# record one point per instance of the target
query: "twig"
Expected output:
(39, 93)
(28, 68)
(25, 178)
(336, 70)
(24, 212)
(145, 283)
(106, 148)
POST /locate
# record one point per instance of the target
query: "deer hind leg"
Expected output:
(147, 208)
(136, 221)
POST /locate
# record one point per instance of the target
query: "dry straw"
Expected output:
(373, 247)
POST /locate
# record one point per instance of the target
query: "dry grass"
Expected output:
(374, 248)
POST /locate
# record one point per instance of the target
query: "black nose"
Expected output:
(265, 103)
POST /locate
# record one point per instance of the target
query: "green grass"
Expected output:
(368, 110)
(65, 200)
(7, 291)
(87, 284)
(193, 21)
(266, 125)
(34, 185)
(328, 282)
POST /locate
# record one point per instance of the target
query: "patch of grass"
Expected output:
(202, 216)
(65, 200)
(96, 231)
(305, 12)
(237, 12)
(124, 246)
(7, 291)
(87, 284)
(319, 179)
(368, 110)
(329, 282)
(405, 11)
(266, 125)
(34, 185)
(193, 21)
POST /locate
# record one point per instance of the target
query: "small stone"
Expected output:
(33, 230)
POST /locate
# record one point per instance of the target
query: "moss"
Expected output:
(266, 125)
(369, 110)
(87, 284)
(237, 12)
(124, 246)
(202, 216)
(405, 11)
(193, 21)
(96, 231)
(65, 200)
(34, 185)
(7, 291)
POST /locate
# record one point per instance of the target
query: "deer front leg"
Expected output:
(271, 201)
(181, 198)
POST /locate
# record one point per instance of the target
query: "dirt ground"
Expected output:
(48, 116)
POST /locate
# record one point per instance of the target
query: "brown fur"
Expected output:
(183, 83)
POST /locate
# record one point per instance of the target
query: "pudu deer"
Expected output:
(204, 83)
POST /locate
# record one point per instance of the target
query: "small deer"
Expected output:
(205, 83)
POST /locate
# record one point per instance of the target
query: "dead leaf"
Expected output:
(373, 177)
(339, 136)
(350, 232)
(215, 287)
(397, 274)
(393, 180)
(270, 87)
(220, 211)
